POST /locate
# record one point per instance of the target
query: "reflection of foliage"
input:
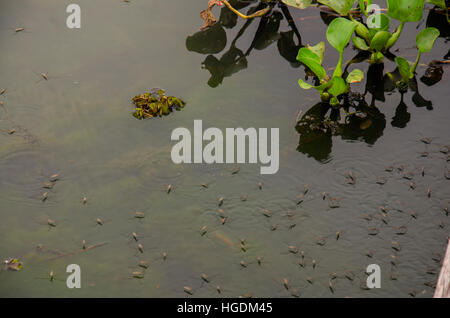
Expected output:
(231, 62)
(213, 39)
(155, 103)
(321, 122)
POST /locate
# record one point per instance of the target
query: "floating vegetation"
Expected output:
(155, 104)
(12, 264)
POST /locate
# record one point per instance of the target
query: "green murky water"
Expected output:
(79, 124)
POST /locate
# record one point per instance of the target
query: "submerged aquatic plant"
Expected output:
(338, 34)
(155, 103)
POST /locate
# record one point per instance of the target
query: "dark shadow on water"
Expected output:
(213, 40)
(321, 123)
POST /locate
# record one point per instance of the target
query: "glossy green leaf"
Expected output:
(377, 57)
(363, 5)
(355, 76)
(439, 3)
(360, 43)
(340, 6)
(311, 60)
(339, 32)
(362, 31)
(405, 10)
(378, 22)
(379, 40)
(318, 49)
(338, 86)
(299, 4)
(320, 88)
(403, 68)
(426, 38)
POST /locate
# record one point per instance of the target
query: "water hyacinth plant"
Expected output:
(338, 35)
(375, 37)
(372, 35)
(425, 41)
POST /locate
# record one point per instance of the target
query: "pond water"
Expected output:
(79, 124)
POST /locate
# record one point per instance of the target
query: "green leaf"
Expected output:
(426, 38)
(320, 88)
(340, 6)
(377, 57)
(378, 22)
(379, 40)
(299, 4)
(318, 49)
(403, 68)
(360, 43)
(439, 3)
(362, 31)
(355, 76)
(312, 60)
(363, 5)
(339, 32)
(405, 10)
(338, 86)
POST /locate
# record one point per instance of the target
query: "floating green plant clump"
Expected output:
(155, 104)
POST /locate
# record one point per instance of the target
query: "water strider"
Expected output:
(143, 264)
(205, 278)
(372, 231)
(48, 185)
(137, 274)
(139, 215)
(286, 283)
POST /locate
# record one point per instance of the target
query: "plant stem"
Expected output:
(338, 70)
(395, 36)
(413, 67)
(259, 13)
